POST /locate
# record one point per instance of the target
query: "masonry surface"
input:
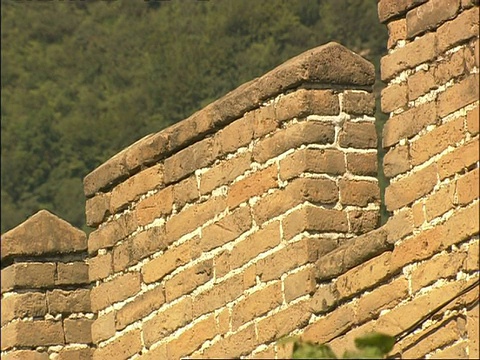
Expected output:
(258, 216)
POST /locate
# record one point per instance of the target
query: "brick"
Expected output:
(439, 202)
(415, 53)
(167, 321)
(155, 206)
(256, 304)
(463, 27)
(304, 132)
(159, 352)
(233, 346)
(461, 158)
(103, 327)
(146, 151)
(418, 214)
(459, 95)
(97, 209)
(112, 232)
(347, 342)
(358, 103)
(420, 83)
(394, 97)
(188, 280)
(457, 351)
(225, 172)
(131, 189)
(25, 355)
(68, 301)
(324, 298)
(32, 334)
(100, 266)
(451, 67)
(362, 222)
(254, 184)
(473, 121)
(193, 217)
(388, 8)
(264, 120)
(466, 4)
(185, 192)
(358, 192)
(72, 273)
(330, 326)
(429, 15)
(362, 163)
(396, 161)
(78, 331)
(410, 188)
(472, 263)
(408, 123)
(476, 52)
(439, 267)
(268, 353)
(399, 225)
(397, 30)
(233, 136)
(382, 298)
(326, 220)
(75, 354)
(122, 347)
(140, 307)
(473, 316)
(299, 284)
(327, 161)
(303, 102)
(28, 275)
(160, 266)
(223, 321)
(118, 289)
(358, 135)
(17, 306)
(191, 339)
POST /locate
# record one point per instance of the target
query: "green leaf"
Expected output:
(308, 350)
(384, 343)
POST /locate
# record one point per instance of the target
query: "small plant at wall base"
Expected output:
(371, 346)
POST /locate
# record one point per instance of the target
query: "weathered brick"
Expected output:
(362, 163)
(457, 351)
(473, 121)
(304, 132)
(185, 192)
(32, 334)
(461, 158)
(225, 172)
(264, 120)
(223, 321)
(188, 279)
(393, 8)
(458, 96)
(100, 266)
(330, 326)
(467, 188)
(118, 289)
(421, 50)
(463, 27)
(32, 275)
(68, 301)
(145, 151)
(103, 327)
(473, 316)
(233, 136)
(347, 342)
(358, 192)
(397, 30)
(111, 232)
(72, 273)
(75, 354)
(420, 83)
(358, 103)
(140, 307)
(418, 214)
(396, 161)
(399, 225)
(97, 209)
(78, 331)
(324, 298)
(167, 321)
(299, 284)
(410, 188)
(363, 221)
(429, 15)
(17, 306)
(254, 184)
(408, 123)
(358, 135)
(439, 202)
(122, 347)
(476, 52)
(233, 346)
(25, 355)
(451, 67)
(155, 206)
(471, 262)
(394, 97)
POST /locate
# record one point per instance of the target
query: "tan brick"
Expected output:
(473, 316)
(193, 217)
(325, 220)
(140, 307)
(185, 192)
(410, 188)
(420, 83)
(394, 97)
(191, 339)
(100, 266)
(225, 172)
(72, 273)
(188, 280)
(268, 353)
(358, 135)
(75, 354)
(32, 334)
(397, 30)
(97, 209)
(112, 232)
(436, 141)
(28, 275)
(157, 268)
(347, 342)
(408, 123)
(233, 346)
(421, 50)
(472, 262)
(461, 158)
(330, 326)
(396, 161)
(324, 298)
(362, 222)
(476, 52)
(451, 67)
(256, 304)
(131, 189)
(418, 214)
(392, 8)
(358, 103)
(429, 15)
(264, 121)
(159, 352)
(68, 301)
(466, 4)
(457, 351)
(17, 306)
(167, 321)
(463, 27)
(223, 321)
(399, 225)
(439, 202)
(78, 331)
(25, 355)
(233, 136)
(473, 121)
(459, 95)
(439, 267)
(358, 192)
(304, 132)
(299, 283)
(118, 289)
(254, 184)
(103, 327)
(381, 298)
(362, 163)
(121, 348)
(155, 206)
